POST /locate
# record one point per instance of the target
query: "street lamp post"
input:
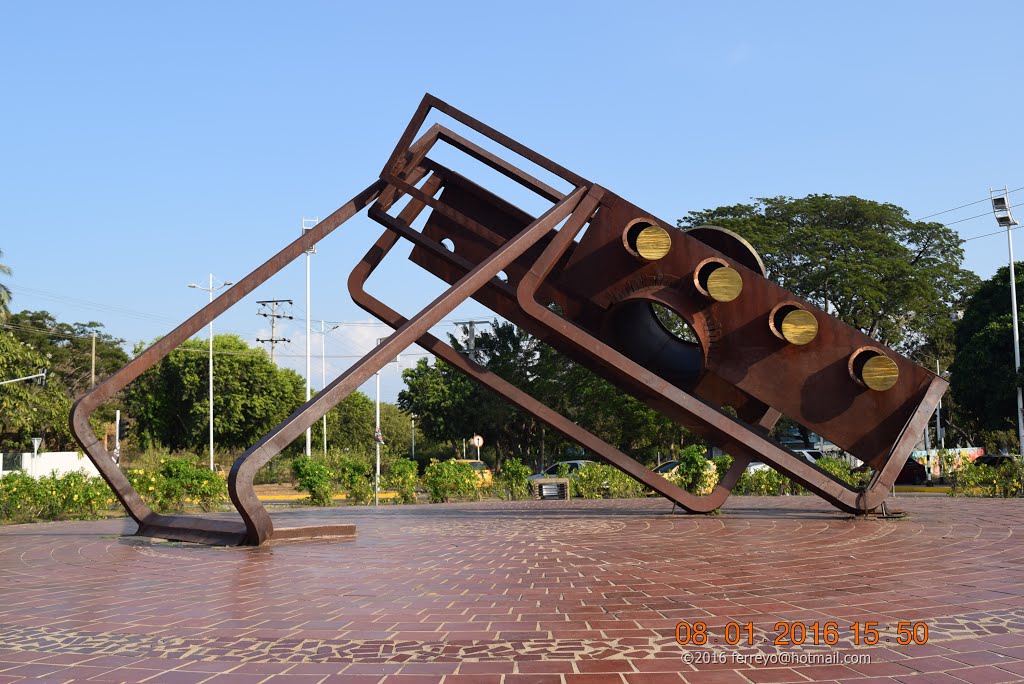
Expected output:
(308, 224)
(378, 437)
(211, 289)
(323, 370)
(1005, 219)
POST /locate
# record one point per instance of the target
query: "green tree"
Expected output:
(5, 292)
(27, 409)
(452, 406)
(69, 347)
(864, 262)
(168, 405)
(982, 379)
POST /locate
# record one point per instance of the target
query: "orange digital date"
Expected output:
(800, 633)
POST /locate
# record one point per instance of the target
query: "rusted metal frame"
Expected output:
(500, 165)
(402, 227)
(483, 193)
(731, 433)
(259, 526)
(883, 480)
(435, 247)
(413, 171)
(437, 132)
(397, 159)
(517, 397)
(190, 528)
(442, 208)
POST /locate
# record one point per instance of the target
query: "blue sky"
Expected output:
(144, 145)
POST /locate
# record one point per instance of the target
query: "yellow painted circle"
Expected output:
(880, 373)
(799, 326)
(653, 243)
(724, 284)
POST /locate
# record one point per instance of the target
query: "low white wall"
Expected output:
(61, 461)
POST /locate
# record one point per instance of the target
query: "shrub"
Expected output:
(722, 465)
(512, 478)
(52, 497)
(693, 466)
(177, 482)
(591, 481)
(763, 482)
(70, 495)
(973, 479)
(401, 477)
(315, 478)
(597, 480)
(354, 476)
(622, 486)
(447, 480)
(18, 496)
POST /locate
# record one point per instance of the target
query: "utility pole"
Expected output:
(471, 336)
(92, 374)
(1005, 219)
(273, 316)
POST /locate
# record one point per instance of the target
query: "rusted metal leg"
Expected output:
(259, 527)
(190, 528)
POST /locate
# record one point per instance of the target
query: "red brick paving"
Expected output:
(582, 592)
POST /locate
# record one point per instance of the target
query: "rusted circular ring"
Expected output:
(872, 368)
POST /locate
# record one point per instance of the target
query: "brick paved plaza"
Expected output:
(516, 593)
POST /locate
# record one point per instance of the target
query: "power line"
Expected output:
(962, 206)
(998, 232)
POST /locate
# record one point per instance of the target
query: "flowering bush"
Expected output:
(402, 478)
(178, 482)
(53, 497)
(512, 478)
(447, 480)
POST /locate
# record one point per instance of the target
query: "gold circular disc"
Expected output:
(799, 326)
(880, 373)
(653, 243)
(724, 284)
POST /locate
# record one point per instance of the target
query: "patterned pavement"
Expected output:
(530, 593)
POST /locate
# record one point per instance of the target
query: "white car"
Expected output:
(552, 470)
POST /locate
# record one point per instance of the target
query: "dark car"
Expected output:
(913, 473)
(994, 460)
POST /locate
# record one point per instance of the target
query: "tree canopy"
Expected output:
(452, 407)
(168, 405)
(28, 409)
(982, 377)
(68, 346)
(865, 262)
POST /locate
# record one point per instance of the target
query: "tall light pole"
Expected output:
(308, 224)
(378, 437)
(1005, 219)
(211, 289)
(323, 370)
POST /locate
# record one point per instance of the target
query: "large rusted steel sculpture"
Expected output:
(582, 277)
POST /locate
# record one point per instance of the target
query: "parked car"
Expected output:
(552, 470)
(667, 468)
(994, 460)
(912, 473)
(483, 473)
